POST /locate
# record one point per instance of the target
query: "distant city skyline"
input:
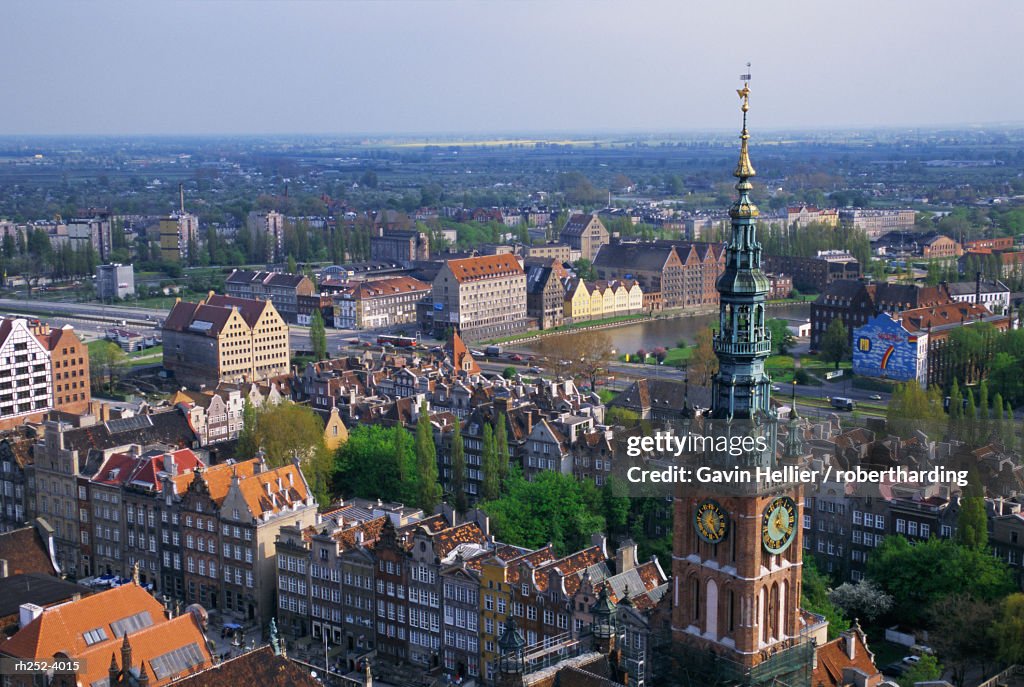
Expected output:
(465, 68)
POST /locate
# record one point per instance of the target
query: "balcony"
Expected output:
(743, 347)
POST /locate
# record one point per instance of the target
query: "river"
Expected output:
(650, 334)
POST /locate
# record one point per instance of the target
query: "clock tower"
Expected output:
(737, 544)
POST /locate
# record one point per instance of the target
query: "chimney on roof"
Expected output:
(625, 557)
(169, 465)
(850, 644)
(28, 612)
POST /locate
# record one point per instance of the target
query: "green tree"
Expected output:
(318, 336)
(106, 363)
(489, 465)
(615, 504)
(963, 652)
(835, 344)
(288, 430)
(461, 501)
(584, 269)
(501, 455)
(704, 362)
(366, 464)
(914, 408)
(406, 466)
(782, 338)
(925, 670)
(552, 508)
(247, 444)
(624, 417)
(972, 520)
(426, 460)
(908, 573)
(814, 597)
(509, 372)
(292, 265)
(1009, 630)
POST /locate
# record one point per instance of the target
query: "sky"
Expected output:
(478, 68)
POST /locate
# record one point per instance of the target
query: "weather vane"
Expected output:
(744, 92)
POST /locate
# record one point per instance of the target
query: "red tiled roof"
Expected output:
(148, 644)
(252, 484)
(63, 627)
(485, 267)
(833, 658)
(25, 552)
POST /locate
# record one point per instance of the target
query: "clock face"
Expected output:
(711, 522)
(778, 526)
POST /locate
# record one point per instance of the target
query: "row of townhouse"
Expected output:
(126, 498)
(437, 593)
(843, 523)
(549, 425)
(597, 300)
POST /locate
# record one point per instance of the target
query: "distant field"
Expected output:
(503, 142)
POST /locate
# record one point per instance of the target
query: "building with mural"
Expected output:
(884, 348)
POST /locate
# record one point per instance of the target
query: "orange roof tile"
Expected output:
(253, 485)
(148, 644)
(63, 627)
(485, 267)
(832, 659)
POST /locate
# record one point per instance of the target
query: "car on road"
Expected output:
(515, 357)
(875, 397)
(476, 354)
(894, 669)
(776, 387)
(354, 341)
(536, 370)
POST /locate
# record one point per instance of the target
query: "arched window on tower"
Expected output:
(731, 611)
(711, 624)
(695, 600)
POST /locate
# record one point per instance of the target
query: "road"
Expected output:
(91, 320)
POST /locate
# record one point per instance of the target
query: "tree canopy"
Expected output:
(552, 508)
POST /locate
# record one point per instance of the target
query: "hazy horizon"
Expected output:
(468, 70)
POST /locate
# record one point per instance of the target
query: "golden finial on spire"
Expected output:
(743, 168)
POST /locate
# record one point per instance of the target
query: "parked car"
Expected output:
(911, 660)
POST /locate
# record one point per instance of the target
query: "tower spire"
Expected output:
(744, 169)
(741, 388)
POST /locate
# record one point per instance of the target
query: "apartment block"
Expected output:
(481, 297)
(225, 339)
(874, 223)
(584, 234)
(280, 288)
(179, 234)
(379, 303)
(267, 229)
